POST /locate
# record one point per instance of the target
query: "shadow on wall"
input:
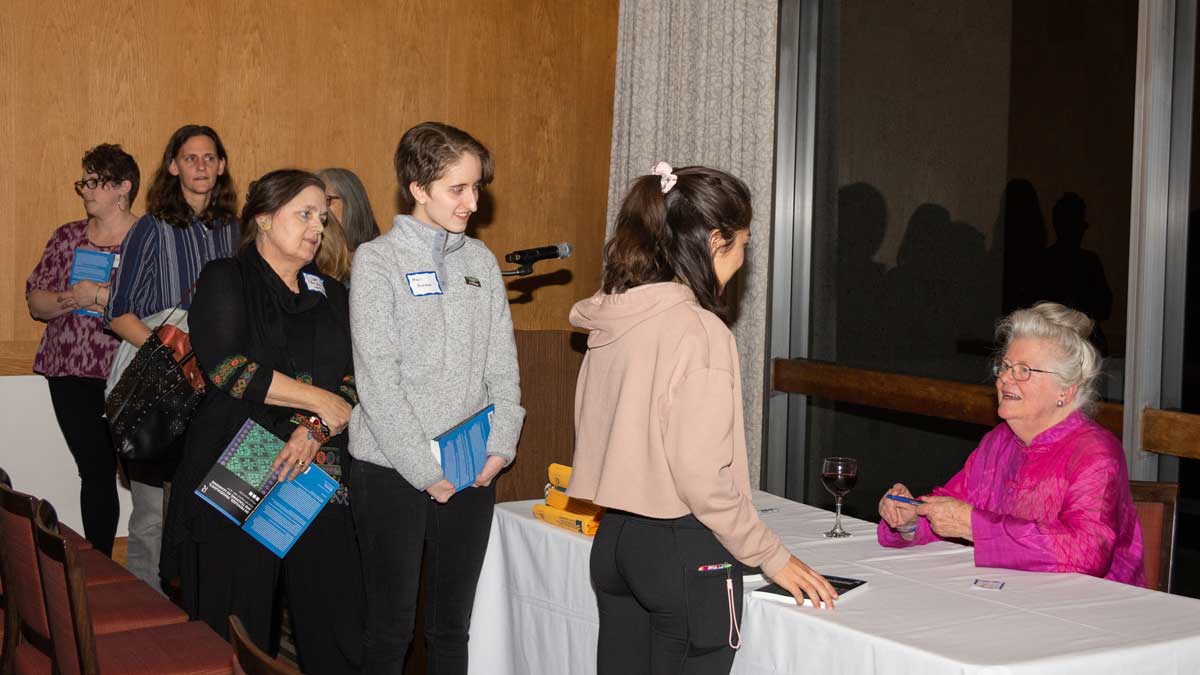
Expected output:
(933, 315)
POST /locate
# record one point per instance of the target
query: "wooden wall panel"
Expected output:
(314, 84)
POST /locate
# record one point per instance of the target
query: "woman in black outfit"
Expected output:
(272, 335)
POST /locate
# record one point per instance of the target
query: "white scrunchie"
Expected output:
(666, 178)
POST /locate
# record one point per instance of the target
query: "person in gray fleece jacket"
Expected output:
(433, 344)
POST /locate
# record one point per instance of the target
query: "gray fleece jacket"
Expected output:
(433, 344)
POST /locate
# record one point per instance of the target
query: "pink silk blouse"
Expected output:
(1060, 504)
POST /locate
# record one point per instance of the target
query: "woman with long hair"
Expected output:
(659, 439)
(189, 221)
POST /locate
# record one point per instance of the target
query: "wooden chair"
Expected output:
(248, 659)
(80, 649)
(118, 604)
(8, 609)
(1157, 504)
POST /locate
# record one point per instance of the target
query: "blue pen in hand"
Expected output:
(905, 500)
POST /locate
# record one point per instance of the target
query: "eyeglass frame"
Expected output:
(80, 184)
(998, 369)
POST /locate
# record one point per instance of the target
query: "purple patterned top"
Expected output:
(1061, 504)
(73, 344)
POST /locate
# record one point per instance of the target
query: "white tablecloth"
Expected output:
(535, 612)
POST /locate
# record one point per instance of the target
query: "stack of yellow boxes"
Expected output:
(578, 515)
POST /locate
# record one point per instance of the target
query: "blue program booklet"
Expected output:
(89, 265)
(462, 450)
(242, 487)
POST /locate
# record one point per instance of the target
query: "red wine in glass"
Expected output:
(839, 484)
(839, 474)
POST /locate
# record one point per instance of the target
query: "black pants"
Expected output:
(397, 525)
(228, 572)
(79, 407)
(663, 597)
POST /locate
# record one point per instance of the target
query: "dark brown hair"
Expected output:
(269, 194)
(113, 166)
(426, 150)
(664, 237)
(165, 199)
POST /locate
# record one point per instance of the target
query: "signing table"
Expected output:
(535, 612)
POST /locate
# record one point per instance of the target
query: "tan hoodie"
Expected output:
(658, 417)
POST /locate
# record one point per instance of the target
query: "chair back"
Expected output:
(8, 609)
(248, 659)
(1156, 505)
(65, 589)
(21, 573)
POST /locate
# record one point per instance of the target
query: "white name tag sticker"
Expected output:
(423, 283)
(314, 283)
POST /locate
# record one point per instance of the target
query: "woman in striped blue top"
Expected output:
(190, 220)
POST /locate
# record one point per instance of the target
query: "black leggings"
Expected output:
(79, 407)
(663, 590)
(398, 525)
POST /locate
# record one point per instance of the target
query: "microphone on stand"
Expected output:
(525, 258)
(528, 256)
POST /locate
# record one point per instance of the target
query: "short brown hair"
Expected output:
(428, 149)
(112, 165)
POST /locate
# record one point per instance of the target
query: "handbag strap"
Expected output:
(178, 305)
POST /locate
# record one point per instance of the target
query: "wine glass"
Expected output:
(839, 474)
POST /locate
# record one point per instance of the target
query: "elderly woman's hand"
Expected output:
(897, 515)
(949, 518)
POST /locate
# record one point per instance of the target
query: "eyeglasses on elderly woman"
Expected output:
(1020, 371)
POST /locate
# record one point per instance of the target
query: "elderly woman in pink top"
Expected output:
(1046, 490)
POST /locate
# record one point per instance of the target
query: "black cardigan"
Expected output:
(246, 323)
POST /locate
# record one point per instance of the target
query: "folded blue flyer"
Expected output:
(242, 487)
(462, 450)
(89, 265)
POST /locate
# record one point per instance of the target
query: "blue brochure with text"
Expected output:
(462, 450)
(89, 265)
(242, 487)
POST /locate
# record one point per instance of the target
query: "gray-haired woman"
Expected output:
(1047, 490)
(349, 204)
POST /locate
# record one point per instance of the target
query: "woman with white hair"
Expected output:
(1046, 490)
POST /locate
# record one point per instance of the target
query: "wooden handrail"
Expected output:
(1171, 433)
(931, 397)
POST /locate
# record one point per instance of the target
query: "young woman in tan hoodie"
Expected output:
(659, 433)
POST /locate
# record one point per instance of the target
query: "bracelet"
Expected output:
(316, 427)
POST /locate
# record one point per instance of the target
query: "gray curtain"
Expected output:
(696, 85)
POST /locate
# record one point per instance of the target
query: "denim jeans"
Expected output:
(399, 525)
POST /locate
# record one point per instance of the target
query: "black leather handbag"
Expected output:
(156, 397)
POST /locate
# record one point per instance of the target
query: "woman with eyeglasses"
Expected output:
(75, 353)
(1047, 489)
(349, 204)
